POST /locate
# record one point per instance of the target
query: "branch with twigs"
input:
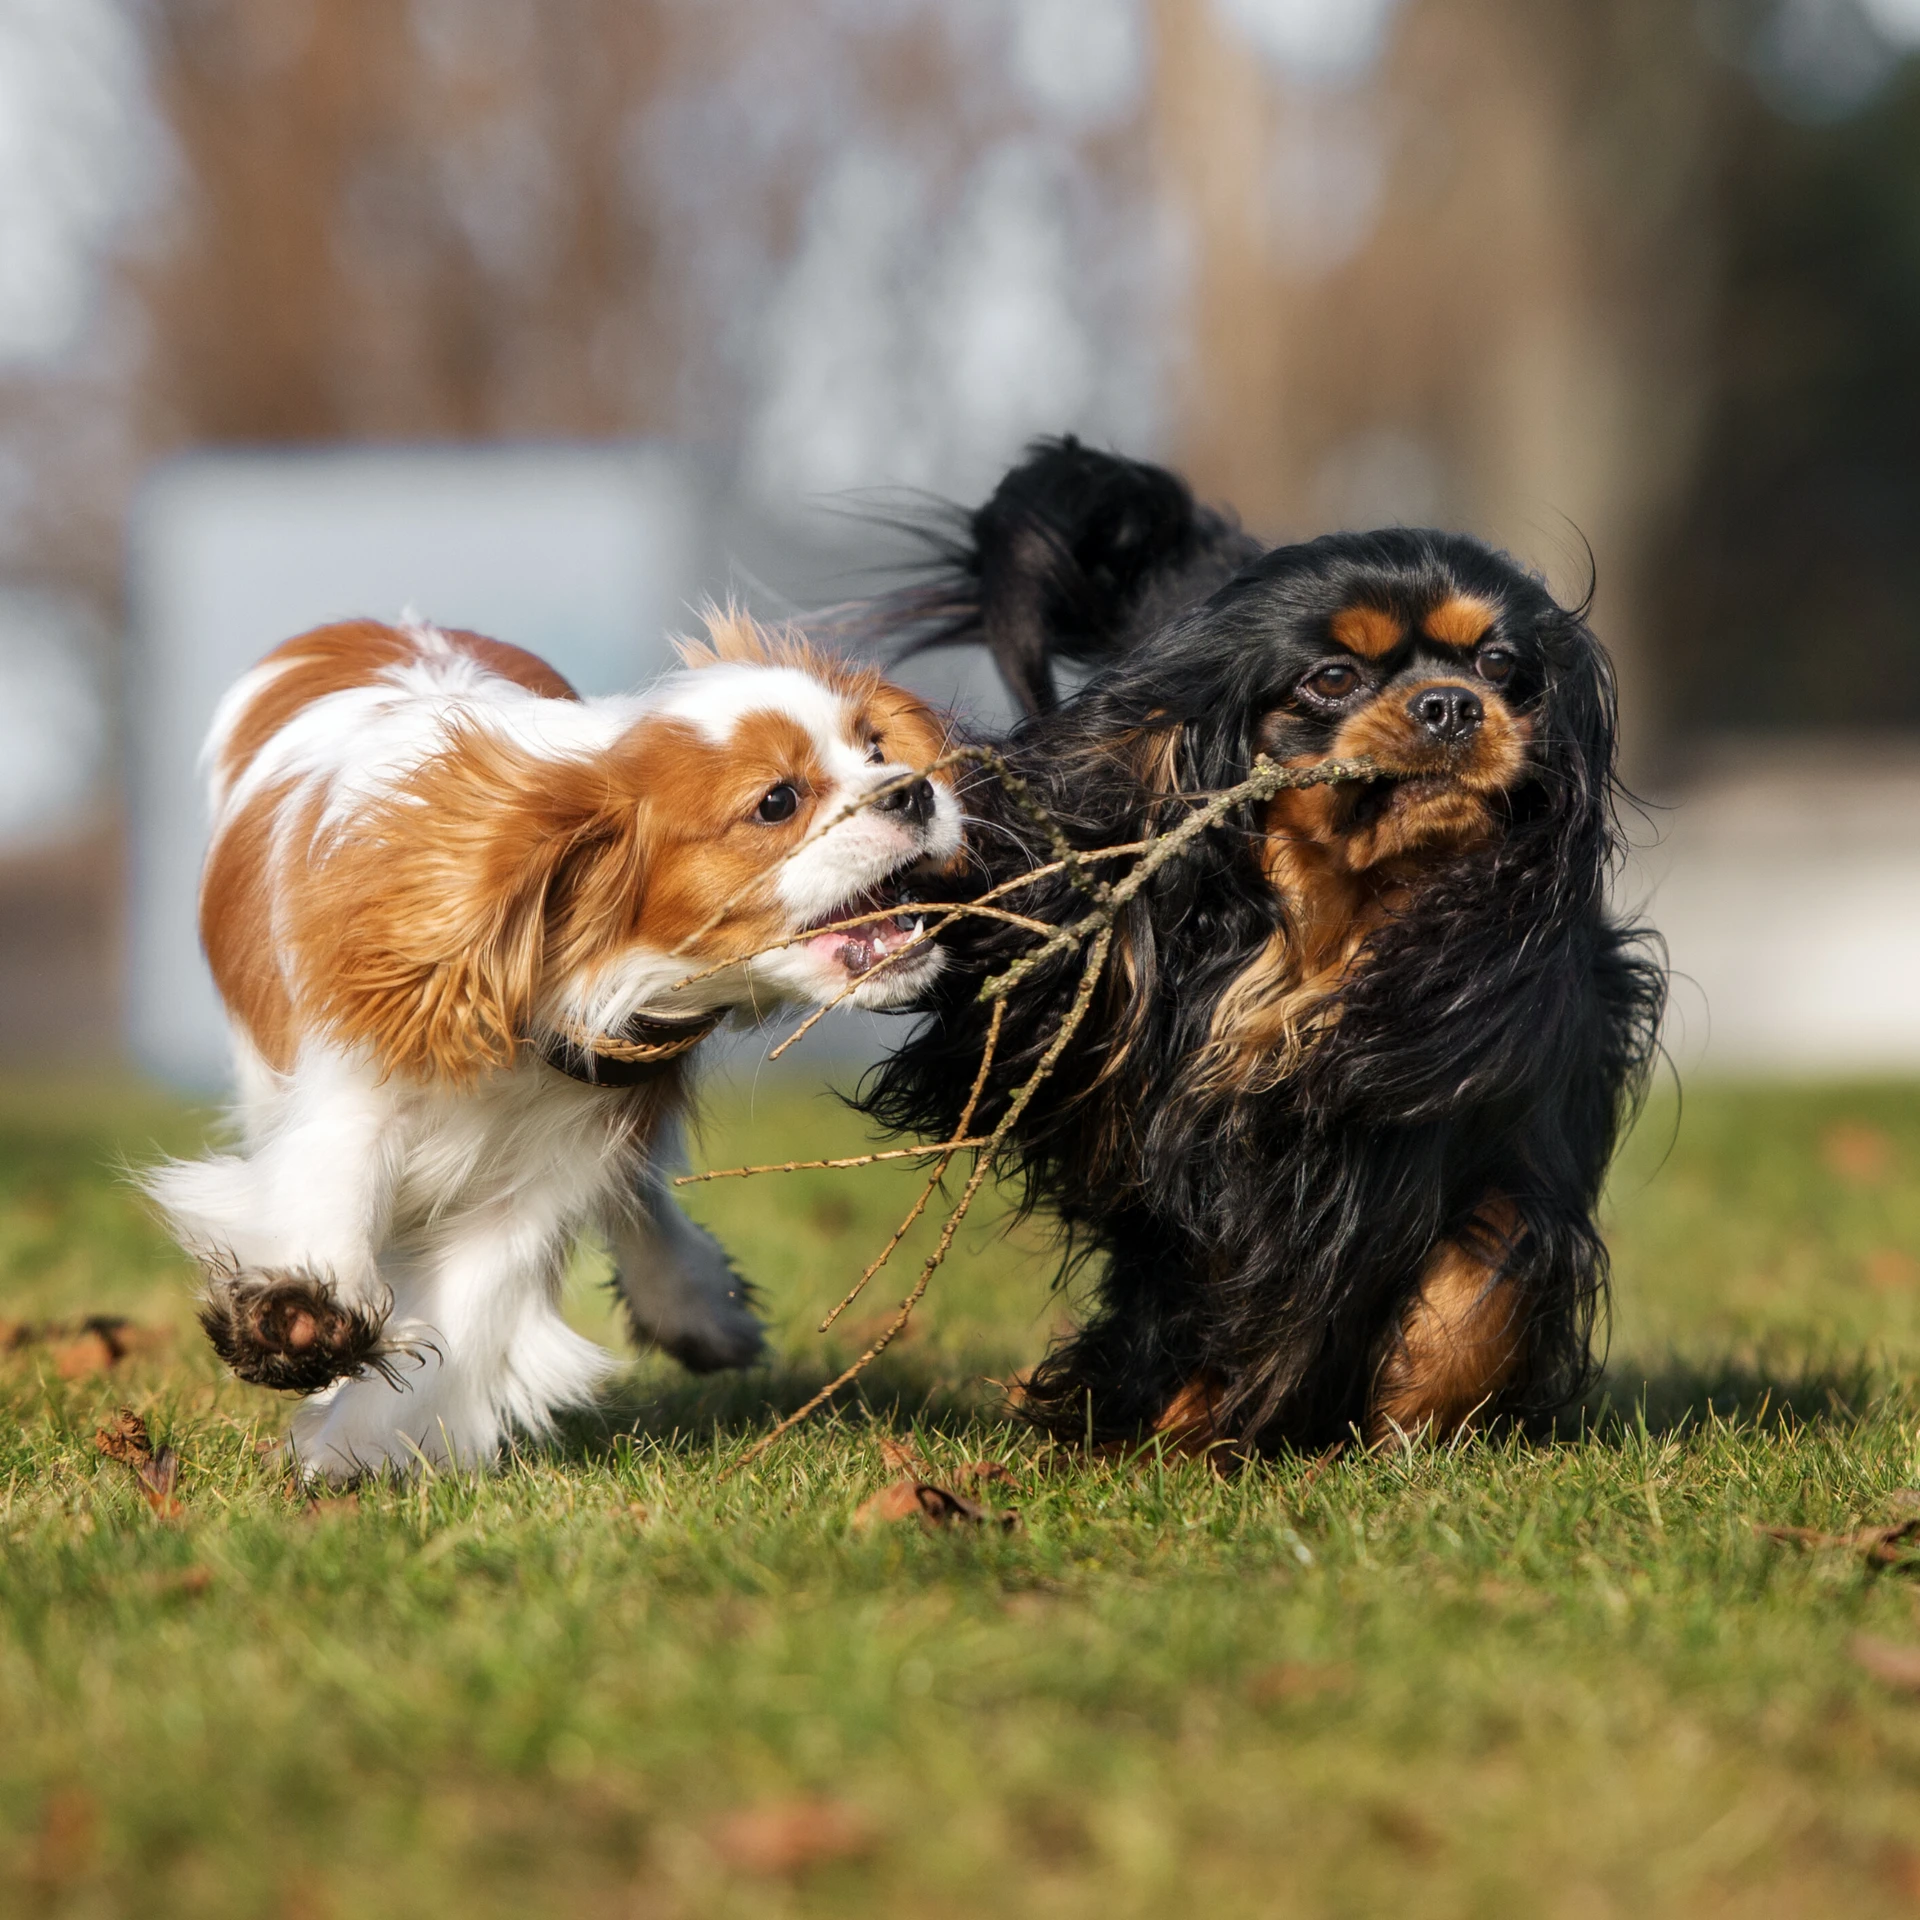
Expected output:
(1091, 935)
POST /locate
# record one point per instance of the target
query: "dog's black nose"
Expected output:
(916, 802)
(1451, 715)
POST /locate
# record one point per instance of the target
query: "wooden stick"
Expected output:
(982, 1166)
(927, 1192)
(812, 1166)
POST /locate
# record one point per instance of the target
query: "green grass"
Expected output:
(1562, 1680)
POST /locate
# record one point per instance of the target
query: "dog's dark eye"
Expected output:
(777, 804)
(1496, 663)
(1333, 682)
(875, 757)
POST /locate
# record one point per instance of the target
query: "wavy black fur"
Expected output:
(1494, 1041)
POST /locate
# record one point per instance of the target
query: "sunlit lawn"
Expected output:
(1514, 1678)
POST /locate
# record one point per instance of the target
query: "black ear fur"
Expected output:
(1075, 556)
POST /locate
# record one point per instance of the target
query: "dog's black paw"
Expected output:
(289, 1331)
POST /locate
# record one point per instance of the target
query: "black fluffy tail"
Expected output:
(1076, 555)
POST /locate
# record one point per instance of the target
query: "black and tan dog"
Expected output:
(1332, 1139)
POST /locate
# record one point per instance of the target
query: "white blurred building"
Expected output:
(588, 556)
(1785, 876)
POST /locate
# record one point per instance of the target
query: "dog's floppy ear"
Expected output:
(430, 931)
(1076, 555)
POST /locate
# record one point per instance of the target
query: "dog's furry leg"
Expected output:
(1459, 1342)
(286, 1231)
(679, 1288)
(476, 1317)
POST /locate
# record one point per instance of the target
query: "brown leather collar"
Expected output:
(624, 1059)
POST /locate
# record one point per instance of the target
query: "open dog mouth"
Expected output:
(1375, 799)
(859, 949)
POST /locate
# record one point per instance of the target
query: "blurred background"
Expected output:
(552, 318)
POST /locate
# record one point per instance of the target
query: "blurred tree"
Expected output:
(1468, 285)
(1792, 572)
(403, 221)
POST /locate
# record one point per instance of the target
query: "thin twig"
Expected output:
(813, 1166)
(934, 1179)
(982, 1166)
(1262, 783)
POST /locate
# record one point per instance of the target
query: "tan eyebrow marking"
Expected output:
(1459, 621)
(1368, 631)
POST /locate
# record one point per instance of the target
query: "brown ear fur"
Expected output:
(431, 930)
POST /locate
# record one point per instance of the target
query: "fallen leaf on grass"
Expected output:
(91, 1353)
(1890, 1662)
(125, 1438)
(1885, 1546)
(899, 1457)
(64, 1846)
(91, 1345)
(1859, 1155)
(1404, 1827)
(786, 1837)
(987, 1473)
(1290, 1680)
(913, 1499)
(184, 1583)
(1900, 1866)
(333, 1506)
(1888, 1270)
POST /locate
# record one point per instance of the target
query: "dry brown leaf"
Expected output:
(1405, 1827)
(1859, 1155)
(787, 1837)
(1888, 1270)
(64, 1846)
(987, 1473)
(1290, 1680)
(932, 1506)
(1885, 1546)
(333, 1506)
(82, 1347)
(899, 1457)
(125, 1438)
(1891, 1662)
(185, 1583)
(1901, 1868)
(91, 1353)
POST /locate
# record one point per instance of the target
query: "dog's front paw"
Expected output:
(290, 1331)
(720, 1341)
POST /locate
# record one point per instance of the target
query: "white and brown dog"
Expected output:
(453, 910)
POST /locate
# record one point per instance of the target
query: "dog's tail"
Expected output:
(1076, 554)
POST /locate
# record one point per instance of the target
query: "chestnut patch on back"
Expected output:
(1371, 632)
(1459, 621)
(513, 663)
(350, 653)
